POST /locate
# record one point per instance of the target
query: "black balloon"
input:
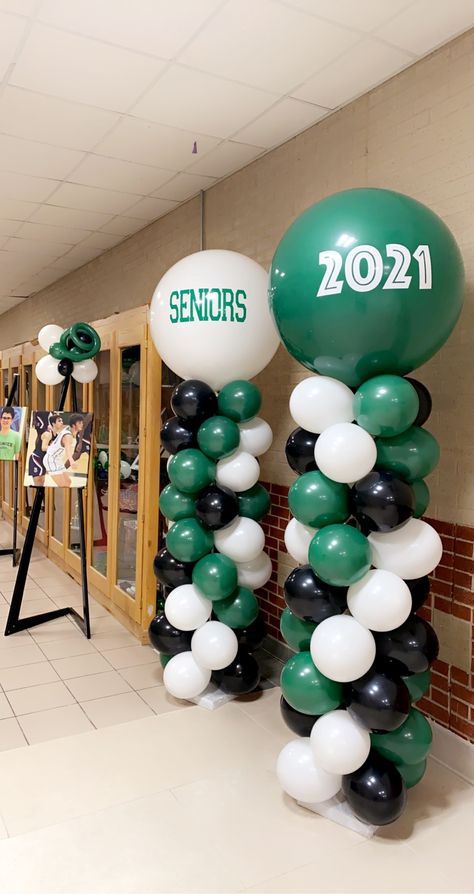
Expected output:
(170, 572)
(168, 639)
(411, 648)
(382, 502)
(299, 723)
(379, 700)
(420, 590)
(300, 451)
(310, 599)
(178, 434)
(240, 677)
(194, 400)
(217, 507)
(424, 398)
(376, 791)
(252, 637)
(65, 367)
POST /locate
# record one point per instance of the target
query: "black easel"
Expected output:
(14, 552)
(14, 622)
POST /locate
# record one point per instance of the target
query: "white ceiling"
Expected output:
(102, 100)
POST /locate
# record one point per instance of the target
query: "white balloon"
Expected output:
(214, 645)
(297, 540)
(380, 601)
(241, 541)
(318, 402)
(186, 609)
(47, 371)
(339, 743)
(210, 319)
(85, 371)
(256, 436)
(300, 777)
(345, 452)
(102, 457)
(125, 469)
(239, 471)
(411, 551)
(48, 335)
(342, 649)
(256, 573)
(183, 677)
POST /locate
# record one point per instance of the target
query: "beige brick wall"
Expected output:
(414, 134)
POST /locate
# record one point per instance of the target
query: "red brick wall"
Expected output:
(450, 700)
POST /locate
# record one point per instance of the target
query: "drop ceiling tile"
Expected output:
(192, 100)
(24, 188)
(47, 119)
(36, 159)
(47, 250)
(9, 227)
(38, 281)
(83, 70)
(183, 186)
(103, 241)
(153, 144)
(45, 233)
(285, 119)
(11, 32)
(425, 25)
(125, 176)
(20, 7)
(157, 27)
(150, 209)
(266, 44)
(58, 216)
(72, 195)
(360, 69)
(14, 210)
(228, 157)
(362, 15)
(123, 226)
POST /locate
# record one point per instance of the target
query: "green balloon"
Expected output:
(239, 400)
(422, 497)
(190, 470)
(296, 633)
(255, 502)
(316, 501)
(188, 540)
(175, 505)
(386, 405)
(367, 281)
(418, 684)
(239, 610)
(411, 455)
(412, 774)
(215, 576)
(306, 689)
(164, 659)
(340, 555)
(218, 436)
(409, 744)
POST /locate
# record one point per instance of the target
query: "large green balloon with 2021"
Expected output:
(367, 281)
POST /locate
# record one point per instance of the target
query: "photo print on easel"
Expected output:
(59, 447)
(12, 432)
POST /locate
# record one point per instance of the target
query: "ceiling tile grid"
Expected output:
(113, 113)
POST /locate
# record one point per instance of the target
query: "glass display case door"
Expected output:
(99, 497)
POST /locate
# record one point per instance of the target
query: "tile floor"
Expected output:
(177, 799)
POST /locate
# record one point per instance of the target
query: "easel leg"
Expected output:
(16, 553)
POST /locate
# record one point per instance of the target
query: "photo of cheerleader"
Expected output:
(59, 448)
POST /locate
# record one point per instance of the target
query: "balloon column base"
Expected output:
(338, 811)
(213, 698)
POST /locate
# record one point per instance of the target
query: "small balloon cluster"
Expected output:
(214, 558)
(70, 353)
(362, 653)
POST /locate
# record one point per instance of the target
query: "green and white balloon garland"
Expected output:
(364, 287)
(209, 318)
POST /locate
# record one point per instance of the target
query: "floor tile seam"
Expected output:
(99, 673)
(119, 671)
(22, 732)
(137, 692)
(41, 710)
(32, 685)
(35, 713)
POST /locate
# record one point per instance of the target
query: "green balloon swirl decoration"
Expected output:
(79, 342)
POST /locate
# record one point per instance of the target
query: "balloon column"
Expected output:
(365, 286)
(209, 317)
(70, 352)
